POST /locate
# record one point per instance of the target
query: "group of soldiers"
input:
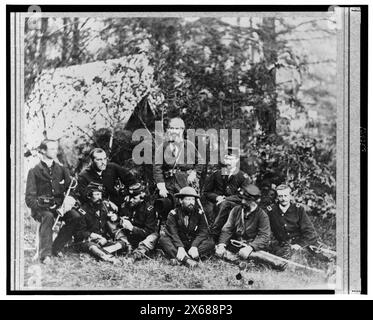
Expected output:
(227, 219)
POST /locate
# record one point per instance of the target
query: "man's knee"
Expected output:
(150, 241)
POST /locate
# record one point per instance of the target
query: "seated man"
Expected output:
(46, 194)
(95, 231)
(139, 221)
(290, 224)
(223, 183)
(225, 208)
(186, 234)
(248, 224)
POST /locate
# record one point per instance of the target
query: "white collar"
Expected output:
(284, 209)
(48, 162)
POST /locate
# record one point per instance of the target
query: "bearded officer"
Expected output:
(181, 166)
(247, 223)
(186, 235)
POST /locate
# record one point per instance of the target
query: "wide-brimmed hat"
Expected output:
(187, 192)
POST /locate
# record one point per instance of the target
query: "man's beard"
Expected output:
(188, 209)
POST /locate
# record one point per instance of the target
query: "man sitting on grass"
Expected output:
(246, 223)
(290, 224)
(186, 235)
(139, 221)
(95, 229)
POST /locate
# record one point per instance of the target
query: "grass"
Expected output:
(80, 271)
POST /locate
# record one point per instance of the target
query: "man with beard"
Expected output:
(246, 223)
(139, 221)
(107, 174)
(47, 184)
(290, 224)
(186, 236)
(96, 228)
(222, 184)
(181, 166)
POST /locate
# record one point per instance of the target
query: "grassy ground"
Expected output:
(82, 272)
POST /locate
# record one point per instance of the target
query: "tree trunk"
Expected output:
(75, 56)
(268, 115)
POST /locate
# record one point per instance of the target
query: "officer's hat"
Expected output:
(233, 151)
(187, 192)
(94, 187)
(136, 189)
(250, 191)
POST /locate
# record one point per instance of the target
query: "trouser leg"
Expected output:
(222, 216)
(206, 248)
(166, 244)
(46, 219)
(66, 233)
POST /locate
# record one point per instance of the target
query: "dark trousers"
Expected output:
(46, 219)
(205, 248)
(223, 213)
(68, 230)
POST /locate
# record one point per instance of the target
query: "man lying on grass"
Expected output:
(95, 229)
(186, 236)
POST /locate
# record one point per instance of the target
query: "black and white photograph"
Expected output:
(182, 150)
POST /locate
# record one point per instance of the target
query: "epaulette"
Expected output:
(173, 212)
(150, 208)
(269, 208)
(80, 210)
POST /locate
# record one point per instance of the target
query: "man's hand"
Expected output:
(245, 252)
(193, 252)
(94, 236)
(102, 241)
(295, 247)
(112, 205)
(220, 199)
(181, 253)
(220, 250)
(192, 177)
(163, 192)
(126, 224)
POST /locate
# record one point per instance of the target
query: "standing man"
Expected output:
(107, 174)
(246, 223)
(139, 221)
(186, 236)
(175, 173)
(224, 183)
(290, 224)
(46, 186)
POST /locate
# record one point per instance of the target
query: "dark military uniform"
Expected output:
(145, 224)
(186, 232)
(108, 179)
(95, 219)
(223, 214)
(45, 188)
(252, 228)
(173, 170)
(292, 227)
(221, 184)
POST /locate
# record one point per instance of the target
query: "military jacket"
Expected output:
(293, 226)
(253, 228)
(143, 218)
(194, 232)
(44, 181)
